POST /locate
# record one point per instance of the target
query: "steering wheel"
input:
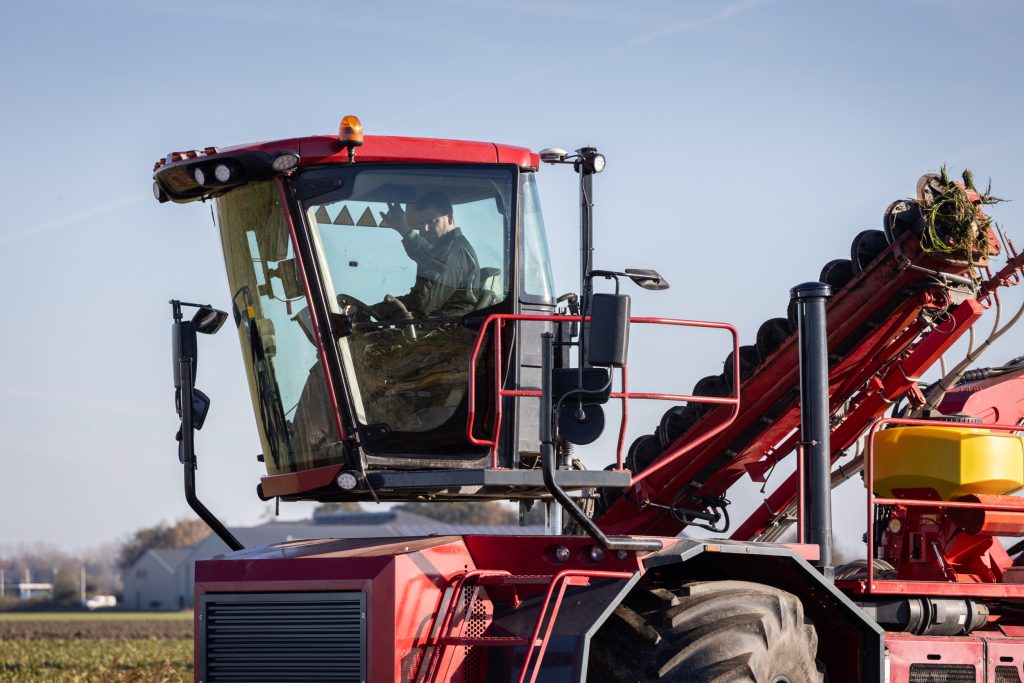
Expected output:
(345, 300)
(397, 303)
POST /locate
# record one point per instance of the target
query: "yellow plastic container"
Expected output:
(955, 461)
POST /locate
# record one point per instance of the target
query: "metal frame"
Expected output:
(536, 645)
(498, 320)
(874, 399)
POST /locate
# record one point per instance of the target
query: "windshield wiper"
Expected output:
(271, 410)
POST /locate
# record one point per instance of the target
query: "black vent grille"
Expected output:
(273, 637)
(942, 673)
(1007, 674)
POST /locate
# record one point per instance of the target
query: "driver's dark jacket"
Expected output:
(447, 275)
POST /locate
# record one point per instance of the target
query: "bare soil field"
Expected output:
(129, 629)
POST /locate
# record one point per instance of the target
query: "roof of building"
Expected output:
(362, 524)
(170, 557)
(367, 525)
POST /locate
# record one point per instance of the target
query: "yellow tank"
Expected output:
(955, 461)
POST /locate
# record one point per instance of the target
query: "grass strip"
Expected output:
(109, 660)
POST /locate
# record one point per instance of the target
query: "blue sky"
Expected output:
(748, 142)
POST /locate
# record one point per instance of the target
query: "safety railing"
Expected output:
(553, 598)
(535, 645)
(498, 322)
(871, 584)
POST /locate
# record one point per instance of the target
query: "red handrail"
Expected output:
(498, 321)
(562, 580)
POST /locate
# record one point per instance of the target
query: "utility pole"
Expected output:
(81, 581)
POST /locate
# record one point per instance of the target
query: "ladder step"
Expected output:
(517, 580)
(494, 641)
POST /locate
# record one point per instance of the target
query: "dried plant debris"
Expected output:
(954, 222)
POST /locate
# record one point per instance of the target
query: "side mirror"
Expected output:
(200, 408)
(608, 333)
(208, 320)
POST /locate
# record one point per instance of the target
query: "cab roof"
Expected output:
(173, 176)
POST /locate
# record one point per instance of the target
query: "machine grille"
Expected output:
(273, 637)
(1007, 674)
(942, 673)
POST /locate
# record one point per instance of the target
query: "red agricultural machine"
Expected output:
(403, 342)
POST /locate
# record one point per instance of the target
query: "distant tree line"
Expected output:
(183, 533)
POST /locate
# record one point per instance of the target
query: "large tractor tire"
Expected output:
(716, 631)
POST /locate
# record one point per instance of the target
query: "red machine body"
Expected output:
(530, 608)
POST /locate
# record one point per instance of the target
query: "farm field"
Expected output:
(83, 647)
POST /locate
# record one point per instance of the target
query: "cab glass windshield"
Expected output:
(297, 427)
(412, 255)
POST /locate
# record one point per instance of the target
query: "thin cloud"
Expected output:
(72, 219)
(730, 11)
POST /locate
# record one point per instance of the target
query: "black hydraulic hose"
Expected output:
(547, 450)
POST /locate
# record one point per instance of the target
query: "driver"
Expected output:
(447, 268)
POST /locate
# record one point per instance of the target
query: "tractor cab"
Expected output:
(364, 273)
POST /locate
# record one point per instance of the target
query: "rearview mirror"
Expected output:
(208, 320)
(200, 408)
(608, 337)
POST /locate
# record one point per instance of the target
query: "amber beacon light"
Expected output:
(350, 134)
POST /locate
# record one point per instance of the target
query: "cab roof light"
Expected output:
(226, 171)
(350, 135)
(202, 175)
(283, 163)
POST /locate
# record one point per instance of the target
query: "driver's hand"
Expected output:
(395, 219)
(355, 314)
(386, 311)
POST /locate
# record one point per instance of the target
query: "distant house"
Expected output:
(163, 579)
(154, 581)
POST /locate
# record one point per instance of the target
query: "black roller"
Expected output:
(674, 423)
(750, 358)
(902, 216)
(866, 247)
(837, 274)
(643, 452)
(712, 385)
(771, 335)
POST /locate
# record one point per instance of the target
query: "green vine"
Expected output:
(954, 222)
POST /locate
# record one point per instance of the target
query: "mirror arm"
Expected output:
(186, 381)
